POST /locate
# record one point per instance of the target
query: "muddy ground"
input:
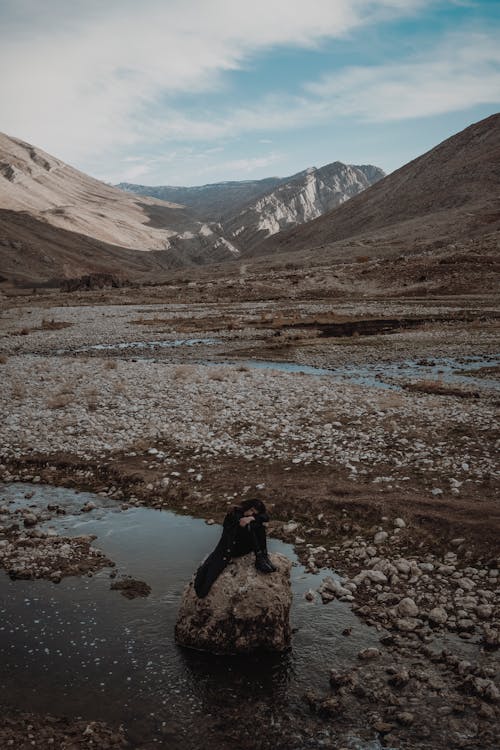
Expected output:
(395, 487)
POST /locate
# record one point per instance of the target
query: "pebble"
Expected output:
(407, 608)
(369, 653)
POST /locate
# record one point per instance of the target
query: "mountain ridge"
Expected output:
(432, 194)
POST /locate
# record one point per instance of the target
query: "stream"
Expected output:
(78, 648)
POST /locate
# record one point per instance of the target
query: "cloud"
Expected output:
(90, 77)
(249, 165)
(463, 71)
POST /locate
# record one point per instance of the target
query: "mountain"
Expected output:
(32, 180)
(299, 199)
(57, 222)
(249, 211)
(209, 202)
(450, 193)
(61, 207)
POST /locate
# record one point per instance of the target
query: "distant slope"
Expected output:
(249, 211)
(32, 180)
(46, 191)
(299, 199)
(452, 191)
(33, 251)
(209, 202)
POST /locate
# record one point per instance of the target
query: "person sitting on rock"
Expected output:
(243, 532)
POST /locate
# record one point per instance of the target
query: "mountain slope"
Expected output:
(451, 191)
(49, 192)
(249, 211)
(32, 180)
(299, 199)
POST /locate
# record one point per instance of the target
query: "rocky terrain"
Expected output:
(353, 387)
(298, 200)
(24, 731)
(58, 223)
(447, 194)
(394, 488)
(251, 211)
(210, 202)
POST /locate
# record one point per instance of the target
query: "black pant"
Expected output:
(250, 538)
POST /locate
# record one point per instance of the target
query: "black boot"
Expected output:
(263, 563)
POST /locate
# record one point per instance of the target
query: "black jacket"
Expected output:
(212, 567)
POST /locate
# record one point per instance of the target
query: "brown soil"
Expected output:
(299, 492)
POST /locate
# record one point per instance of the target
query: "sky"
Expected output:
(188, 92)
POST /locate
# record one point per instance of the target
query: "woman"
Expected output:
(243, 532)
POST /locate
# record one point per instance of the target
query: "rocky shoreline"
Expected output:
(394, 490)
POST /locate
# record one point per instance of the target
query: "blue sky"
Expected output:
(193, 91)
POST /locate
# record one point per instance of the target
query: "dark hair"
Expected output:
(257, 504)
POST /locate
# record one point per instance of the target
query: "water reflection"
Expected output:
(79, 648)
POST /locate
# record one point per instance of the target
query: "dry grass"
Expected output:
(18, 391)
(59, 401)
(92, 398)
(183, 372)
(53, 325)
(217, 373)
(150, 321)
(67, 388)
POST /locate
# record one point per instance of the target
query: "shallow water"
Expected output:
(391, 375)
(139, 345)
(78, 648)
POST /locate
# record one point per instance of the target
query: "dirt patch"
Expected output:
(25, 731)
(438, 388)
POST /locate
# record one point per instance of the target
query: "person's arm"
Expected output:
(232, 519)
(261, 518)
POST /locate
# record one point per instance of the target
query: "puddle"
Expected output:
(78, 648)
(139, 345)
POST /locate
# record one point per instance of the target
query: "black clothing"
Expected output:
(235, 541)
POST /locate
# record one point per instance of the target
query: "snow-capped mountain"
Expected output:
(299, 199)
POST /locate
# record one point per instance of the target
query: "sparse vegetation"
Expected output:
(53, 325)
(59, 401)
(18, 391)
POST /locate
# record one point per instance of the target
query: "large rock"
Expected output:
(244, 611)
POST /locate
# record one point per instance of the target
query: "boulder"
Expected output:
(244, 611)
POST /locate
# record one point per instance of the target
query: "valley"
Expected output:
(153, 398)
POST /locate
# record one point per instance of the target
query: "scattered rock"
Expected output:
(369, 653)
(131, 588)
(407, 608)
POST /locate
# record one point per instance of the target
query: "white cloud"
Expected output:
(86, 77)
(463, 71)
(248, 166)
